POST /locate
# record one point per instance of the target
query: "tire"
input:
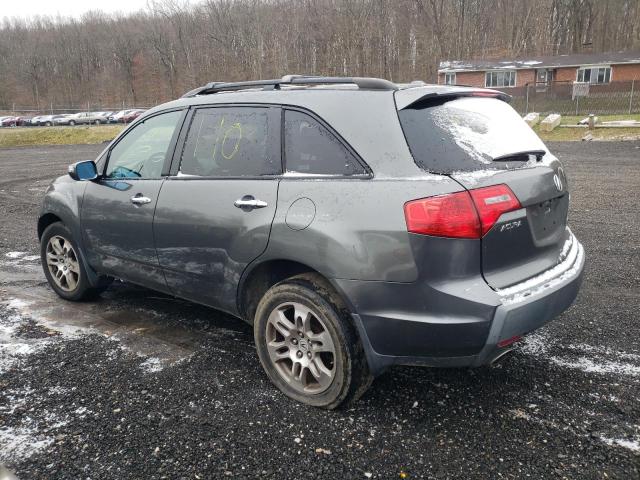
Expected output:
(97, 122)
(48, 124)
(323, 379)
(72, 123)
(73, 283)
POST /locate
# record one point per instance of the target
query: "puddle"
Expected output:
(139, 331)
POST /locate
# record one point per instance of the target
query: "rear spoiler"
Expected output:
(407, 97)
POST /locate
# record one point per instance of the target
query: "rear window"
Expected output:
(466, 134)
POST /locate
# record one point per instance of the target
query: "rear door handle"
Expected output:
(139, 199)
(249, 202)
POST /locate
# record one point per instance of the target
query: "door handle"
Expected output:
(139, 199)
(249, 202)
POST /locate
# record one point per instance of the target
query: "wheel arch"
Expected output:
(262, 276)
(45, 220)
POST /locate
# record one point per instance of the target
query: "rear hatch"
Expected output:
(477, 139)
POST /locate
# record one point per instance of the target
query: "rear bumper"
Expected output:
(458, 324)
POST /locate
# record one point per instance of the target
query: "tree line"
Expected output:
(172, 46)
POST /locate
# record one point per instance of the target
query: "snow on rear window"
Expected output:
(465, 134)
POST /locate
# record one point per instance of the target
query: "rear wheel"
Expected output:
(63, 267)
(307, 345)
(72, 123)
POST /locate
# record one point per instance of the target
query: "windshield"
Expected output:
(467, 133)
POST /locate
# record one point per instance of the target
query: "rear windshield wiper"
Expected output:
(523, 156)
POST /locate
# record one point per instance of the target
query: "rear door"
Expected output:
(481, 141)
(215, 212)
(117, 210)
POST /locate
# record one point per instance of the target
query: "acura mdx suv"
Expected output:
(354, 222)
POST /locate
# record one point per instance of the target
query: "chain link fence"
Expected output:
(572, 98)
(566, 98)
(53, 109)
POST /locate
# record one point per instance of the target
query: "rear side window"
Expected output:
(466, 134)
(230, 142)
(312, 149)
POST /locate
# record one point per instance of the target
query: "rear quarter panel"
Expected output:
(356, 229)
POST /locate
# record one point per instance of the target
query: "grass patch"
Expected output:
(576, 134)
(573, 119)
(25, 136)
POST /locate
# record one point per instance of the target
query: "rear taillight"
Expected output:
(460, 215)
(492, 202)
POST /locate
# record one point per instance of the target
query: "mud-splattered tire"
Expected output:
(63, 266)
(307, 345)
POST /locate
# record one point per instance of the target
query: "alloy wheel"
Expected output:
(62, 262)
(300, 348)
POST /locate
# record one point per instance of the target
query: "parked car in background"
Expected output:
(116, 117)
(11, 121)
(36, 120)
(354, 229)
(131, 116)
(66, 119)
(105, 116)
(86, 118)
(48, 120)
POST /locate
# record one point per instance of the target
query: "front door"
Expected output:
(215, 212)
(117, 210)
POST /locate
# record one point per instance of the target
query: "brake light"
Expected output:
(468, 214)
(451, 215)
(492, 202)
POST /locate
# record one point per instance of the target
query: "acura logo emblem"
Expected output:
(557, 182)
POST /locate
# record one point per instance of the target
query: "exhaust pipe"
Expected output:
(501, 356)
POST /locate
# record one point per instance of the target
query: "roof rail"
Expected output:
(361, 82)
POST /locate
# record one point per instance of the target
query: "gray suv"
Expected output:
(354, 222)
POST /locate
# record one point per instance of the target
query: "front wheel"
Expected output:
(63, 267)
(72, 123)
(307, 346)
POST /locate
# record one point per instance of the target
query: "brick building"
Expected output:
(591, 68)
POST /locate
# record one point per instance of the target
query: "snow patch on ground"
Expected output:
(633, 445)
(30, 436)
(603, 366)
(14, 255)
(587, 358)
(21, 443)
(152, 365)
(11, 348)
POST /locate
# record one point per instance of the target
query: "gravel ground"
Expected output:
(140, 385)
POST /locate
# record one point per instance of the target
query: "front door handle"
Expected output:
(139, 199)
(249, 202)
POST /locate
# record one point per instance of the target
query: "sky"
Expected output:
(66, 8)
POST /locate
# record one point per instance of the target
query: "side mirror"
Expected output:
(85, 170)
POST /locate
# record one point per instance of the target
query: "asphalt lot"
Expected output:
(140, 385)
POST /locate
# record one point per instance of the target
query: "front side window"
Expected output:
(450, 78)
(594, 75)
(311, 149)
(500, 78)
(141, 153)
(230, 142)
